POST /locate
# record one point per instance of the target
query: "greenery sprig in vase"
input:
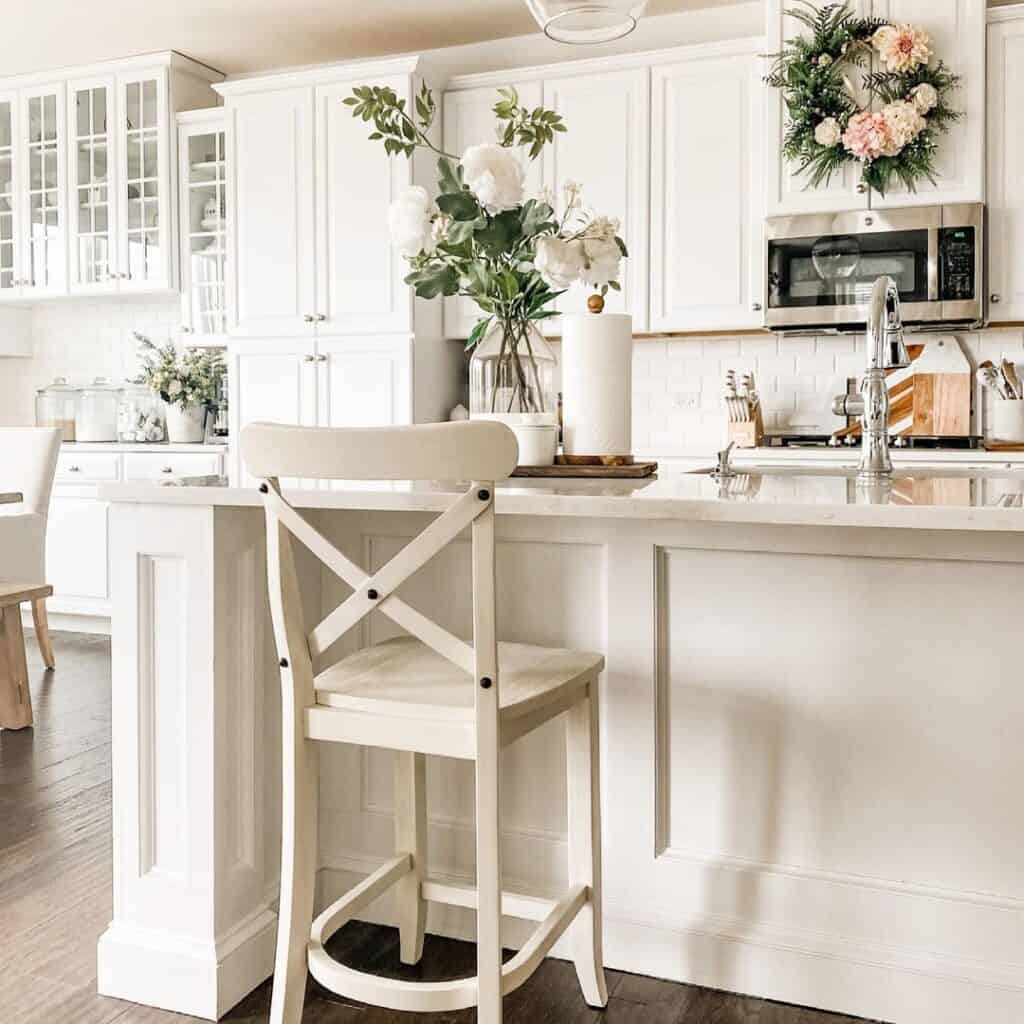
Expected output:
(484, 238)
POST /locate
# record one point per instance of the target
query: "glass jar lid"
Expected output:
(59, 385)
(101, 385)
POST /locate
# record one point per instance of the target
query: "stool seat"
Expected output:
(405, 677)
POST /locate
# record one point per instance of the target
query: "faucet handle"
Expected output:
(724, 468)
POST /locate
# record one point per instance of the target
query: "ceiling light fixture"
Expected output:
(572, 21)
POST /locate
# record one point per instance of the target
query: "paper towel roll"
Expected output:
(597, 384)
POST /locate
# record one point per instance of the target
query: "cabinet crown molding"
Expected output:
(596, 65)
(1009, 12)
(317, 74)
(171, 59)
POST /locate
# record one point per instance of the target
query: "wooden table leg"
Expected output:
(42, 628)
(15, 700)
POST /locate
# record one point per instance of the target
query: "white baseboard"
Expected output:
(902, 986)
(63, 622)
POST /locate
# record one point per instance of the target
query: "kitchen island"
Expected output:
(811, 722)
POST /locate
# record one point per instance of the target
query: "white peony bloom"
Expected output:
(924, 97)
(603, 228)
(558, 262)
(603, 259)
(905, 124)
(409, 220)
(494, 175)
(828, 132)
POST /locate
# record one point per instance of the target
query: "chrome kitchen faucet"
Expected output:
(886, 351)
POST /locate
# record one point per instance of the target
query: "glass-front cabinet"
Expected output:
(44, 260)
(203, 206)
(8, 202)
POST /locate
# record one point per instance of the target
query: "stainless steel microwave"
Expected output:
(820, 267)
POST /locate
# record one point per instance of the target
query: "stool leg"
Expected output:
(584, 790)
(42, 626)
(298, 870)
(411, 837)
(15, 699)
(488, 882)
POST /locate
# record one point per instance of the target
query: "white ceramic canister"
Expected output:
(537, 443)
(597, 384)
(1008, 420)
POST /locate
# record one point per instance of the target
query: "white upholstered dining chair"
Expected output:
(428, 692)
(28, 463)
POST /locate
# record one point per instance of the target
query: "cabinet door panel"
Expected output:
(1005, 159)
(360, 274)
(707, 197)
(269, 381)
(957, 30)
(364, 381)
(43, 190)
(93, 205)
(605, 149)
(273, 202)
(144, 204)
(76, 547)
(11, 218)
(468, 121)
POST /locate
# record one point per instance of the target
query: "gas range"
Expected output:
(904, 442)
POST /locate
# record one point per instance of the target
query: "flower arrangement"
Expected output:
(184, 379)
(484, 238)
(896, 135)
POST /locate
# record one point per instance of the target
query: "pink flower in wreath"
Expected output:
(868, 136)
(902, 47)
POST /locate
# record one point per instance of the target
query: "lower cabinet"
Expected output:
(330, 382)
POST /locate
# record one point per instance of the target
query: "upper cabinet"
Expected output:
(311, 195)
(1005, 159)
(86, 198)
(957, 31)
(707, 192)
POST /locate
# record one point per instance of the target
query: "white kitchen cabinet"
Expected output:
(364, 381)
(606, 151)
(76, 551)
(957, 30)
(707, 198)
(469, 121)
(1005, 159)
(204, 219)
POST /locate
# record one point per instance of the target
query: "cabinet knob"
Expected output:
(74, 469)
(308, 317)
(167, 469)
(308, 358)
(756, 307)
(185, 329)
(321, 358)
(995, 299)
(321, 317)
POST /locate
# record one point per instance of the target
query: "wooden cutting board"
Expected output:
(932, 396)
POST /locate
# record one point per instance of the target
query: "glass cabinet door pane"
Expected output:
(207, 231)
(44, 257)
(93, 242)
(145, 233)
(6, 195)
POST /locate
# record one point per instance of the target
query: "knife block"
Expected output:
(749, 433)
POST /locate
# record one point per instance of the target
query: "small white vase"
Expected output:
(186, 426)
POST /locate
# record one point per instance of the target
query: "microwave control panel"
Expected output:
(956, 264)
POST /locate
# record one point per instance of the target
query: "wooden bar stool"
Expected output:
(15, 699)
(427, 693)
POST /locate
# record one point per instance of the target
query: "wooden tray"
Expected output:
(1003, 446)
(637, 469)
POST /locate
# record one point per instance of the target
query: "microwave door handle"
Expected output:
(933, 264)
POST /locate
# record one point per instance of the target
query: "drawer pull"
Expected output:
(167, 469)
(74, 469)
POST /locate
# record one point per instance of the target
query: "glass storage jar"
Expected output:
(96, 419)
(141, 416)
(56, 406)
(512, 376)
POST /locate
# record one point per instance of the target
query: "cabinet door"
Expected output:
(957, 30)
(365, 381)
(606, 150)
(42, 192)
(1005, 159)
(11, 218)
(76, 547)
(707, 194)
(468, 121)
(273, 200)
(144, 207)
(360, 274)
(273, 381)
(92, 219)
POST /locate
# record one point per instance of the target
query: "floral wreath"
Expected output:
(896, 134)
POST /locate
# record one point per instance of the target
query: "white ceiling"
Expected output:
(253, 35)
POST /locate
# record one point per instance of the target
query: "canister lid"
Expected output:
(59, 385)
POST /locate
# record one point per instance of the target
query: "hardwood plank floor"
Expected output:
(55, 896)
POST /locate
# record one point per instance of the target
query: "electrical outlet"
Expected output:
(687, 400)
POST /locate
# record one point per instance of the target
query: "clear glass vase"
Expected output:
(512, 376)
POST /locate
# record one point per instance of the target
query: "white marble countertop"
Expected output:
(127, 446)
(950, 499)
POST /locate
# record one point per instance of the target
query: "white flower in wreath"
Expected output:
(824, 60)
(925, 97)
(494, 175)
(603, 259)
(559, 262)
(902, 47)
(409, 220)
(905, 124)
(827, 132)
